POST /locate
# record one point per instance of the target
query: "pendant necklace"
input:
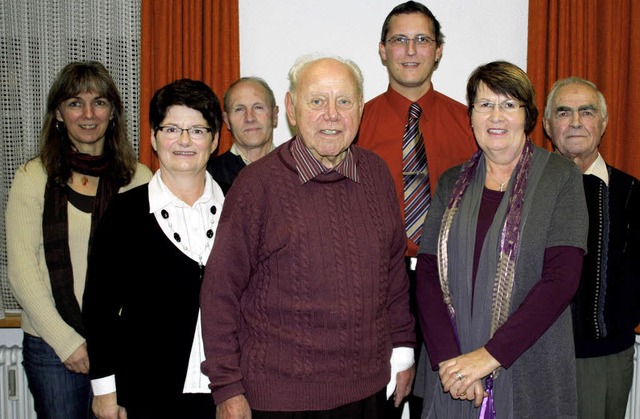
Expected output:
(501, 185)
(178, 239)
(84, 180)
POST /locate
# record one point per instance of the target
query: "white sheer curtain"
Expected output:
(37, 38)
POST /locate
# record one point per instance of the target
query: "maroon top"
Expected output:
(306, 292)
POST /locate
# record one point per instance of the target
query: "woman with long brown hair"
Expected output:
(56, 201)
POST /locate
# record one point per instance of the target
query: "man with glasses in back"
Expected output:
(418, 131)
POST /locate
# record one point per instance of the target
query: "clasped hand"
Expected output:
(462, 376)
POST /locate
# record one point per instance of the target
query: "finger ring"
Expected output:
(458, 375)
(464, 394)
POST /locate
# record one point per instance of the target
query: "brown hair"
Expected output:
(507, 79)
(55, 146)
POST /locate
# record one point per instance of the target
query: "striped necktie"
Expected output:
(417, 193)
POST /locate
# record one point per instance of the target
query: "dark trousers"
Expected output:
(414, 402)
(373, 407)
(184, 406)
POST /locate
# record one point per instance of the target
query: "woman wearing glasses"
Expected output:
(141, 303)
(500, 262)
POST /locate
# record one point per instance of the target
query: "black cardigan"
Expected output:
(140, 305)
(619, 310)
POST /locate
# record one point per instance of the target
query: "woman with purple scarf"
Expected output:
(498, 265)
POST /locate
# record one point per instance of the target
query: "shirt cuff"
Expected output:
(104, 385)
(401, 359)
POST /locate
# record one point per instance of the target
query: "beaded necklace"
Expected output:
(178, 239)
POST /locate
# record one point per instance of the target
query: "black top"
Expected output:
(140, 306)
(225, 168)
(606, 308)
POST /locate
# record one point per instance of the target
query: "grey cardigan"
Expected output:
(543, 377)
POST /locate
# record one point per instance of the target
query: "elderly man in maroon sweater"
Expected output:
(305, 303)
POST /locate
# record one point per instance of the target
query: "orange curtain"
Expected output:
(197, 39)
(598, 40)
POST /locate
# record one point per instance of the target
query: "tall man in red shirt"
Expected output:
(411, 47)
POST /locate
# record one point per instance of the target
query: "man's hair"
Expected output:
(408, 8)
(602, 103)
(271, 99)
(307, 59)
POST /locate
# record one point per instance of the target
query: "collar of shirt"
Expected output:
(599, 169)
(236, 150)
(309, 168)
(401, 104)
(191, 223)
(160, 196)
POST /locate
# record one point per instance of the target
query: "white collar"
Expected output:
(160, 196)
(599, 169)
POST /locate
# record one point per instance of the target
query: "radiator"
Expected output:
(16, 401)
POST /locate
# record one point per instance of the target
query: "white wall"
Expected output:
(273, 33)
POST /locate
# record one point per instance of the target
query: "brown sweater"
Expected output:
(305, 293)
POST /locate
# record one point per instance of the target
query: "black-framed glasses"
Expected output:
(508, 106)
(403, 41)
(172, 132)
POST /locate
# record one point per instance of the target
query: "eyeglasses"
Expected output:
(403, 41)
(171, 132)
(508, 106)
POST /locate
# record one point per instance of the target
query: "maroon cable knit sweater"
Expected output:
(305, 292)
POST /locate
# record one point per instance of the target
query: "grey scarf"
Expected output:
(476, 320)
